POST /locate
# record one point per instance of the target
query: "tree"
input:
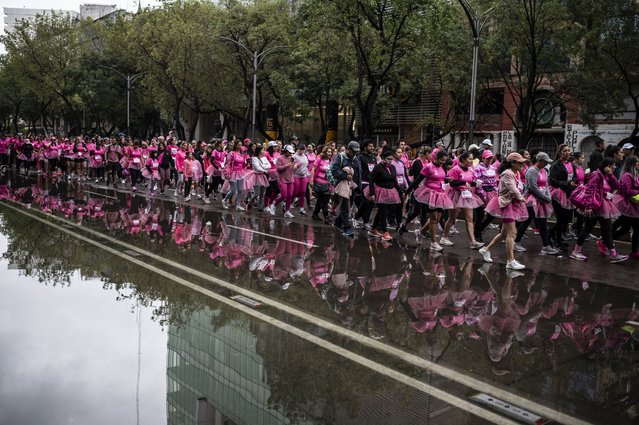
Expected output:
(608, 65)
(527, 51)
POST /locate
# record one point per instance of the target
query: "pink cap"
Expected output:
(515, 157)
(487, 154)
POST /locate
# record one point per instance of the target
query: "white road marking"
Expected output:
(349, 355)
(453, 375)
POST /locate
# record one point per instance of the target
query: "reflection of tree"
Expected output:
(53, 257)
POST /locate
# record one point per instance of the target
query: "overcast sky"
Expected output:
(131, 5)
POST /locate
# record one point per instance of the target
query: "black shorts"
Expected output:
(433, 210)
(79, 160)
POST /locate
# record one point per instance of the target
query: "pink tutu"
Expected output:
(150, 175)
(433, 198)
(212, 171)
(95, 163)
(460, 202)
(541, 209)
(249, 181)
(516, 210)
(236, 175)
(626, 206)
(260, 179)
(488, 196)
(561, 198)
(386, 196)
(607, 209)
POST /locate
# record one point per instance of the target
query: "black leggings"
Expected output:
(483, 220)
(541, 222)
(380, 218)
(321, 204)
(564, 217)
(364, 208)
(418, 209)
(188, 181)
(625, 224)
(606, 231)
(136, 175)
(216, 181)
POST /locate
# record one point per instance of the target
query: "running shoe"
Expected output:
(271, 210)
(549, 250)
(375, 233)
(618, 259)
(486, 254)
(536, 232)
(519, 248)
(187, 199)
(289, 214)
(493, 226)
(446, 242)
(434, 246)
(207, 200)
(240, 208)
(387, 236)
(476, 245)
(302, 211)
(578, 256)
(515, 265)
(453, 230)
(225, 204)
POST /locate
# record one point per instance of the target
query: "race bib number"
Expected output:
(136, 160)
(490, 173)
(174, 151)
(400, 180)
(98, 209)
(136, 222)
(370, 167)
(98, 158)
(608, 196)
(154, 226)
(466, 194)
(570, 176)
(154, 164)
(443, 186)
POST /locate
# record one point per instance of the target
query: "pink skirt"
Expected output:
(433, 198)
(150, 175)
(488, 196)
(541, 209)
(236, 175)
(386, 196)
(561, 198)
(607, 210)
(94, 163)
(460, 202)
(626, 206)
(212, 171)
(516, 210)
(249, 181)
(260, 179)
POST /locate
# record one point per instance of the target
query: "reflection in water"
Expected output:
(556, 338)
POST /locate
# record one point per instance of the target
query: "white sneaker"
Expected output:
(578, 256)
(453, 230)
(240, 208)
(187, 199)
(493, 226)
(288, 214)
(486, 254)
(434, 246)
(302, 211)
(199, 196)
(476, 245)
(515, 265)
(271, 210)
(207, 200)
(175, 193)
(549, 250)
(446, 242)
(519, 248)
(225, 204)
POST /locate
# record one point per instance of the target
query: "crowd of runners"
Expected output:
(344, 185)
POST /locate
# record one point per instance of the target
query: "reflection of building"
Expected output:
(220, 365)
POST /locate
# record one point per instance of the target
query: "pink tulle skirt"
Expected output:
(386, 196)
(488, 196)
(236, 175)
(541, 209)
(561, 198)
(626, 206)
(433, 198)
(212, 171)
(516, 210)
(95, 163)
(150, 175)
(607, 210)
(259, 179)
(460, 202)
(249, 181)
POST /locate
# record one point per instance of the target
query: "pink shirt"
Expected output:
(188, 167)
(235, 162)
(180, 157)
(434, 176)
(458, 173)
(320, 166)
(284, 170)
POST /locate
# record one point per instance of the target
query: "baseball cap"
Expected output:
(487, 142)
(515, 157)
(354, 146)
(289, 149)
(543, 156)
(486, 154)
(628, 146)
(272, 143)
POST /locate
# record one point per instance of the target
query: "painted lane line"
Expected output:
(101, 194)
(308, 245)
(446, 397)
(444, 371)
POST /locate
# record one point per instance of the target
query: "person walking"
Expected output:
(627, 202)
(510, 206)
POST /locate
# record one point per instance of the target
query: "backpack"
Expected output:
(584, 197)
(329, 171)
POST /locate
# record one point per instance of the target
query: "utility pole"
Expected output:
(258, 58)
(130, 79)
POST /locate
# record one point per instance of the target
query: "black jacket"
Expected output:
(383, 177)
(558, 177)
(365, 160)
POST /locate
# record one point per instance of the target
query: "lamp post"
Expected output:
(258, 58)
(477, 24)
(130, 79)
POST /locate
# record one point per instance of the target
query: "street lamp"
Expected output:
(258, 58)
(477, 24)
(130, 79)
